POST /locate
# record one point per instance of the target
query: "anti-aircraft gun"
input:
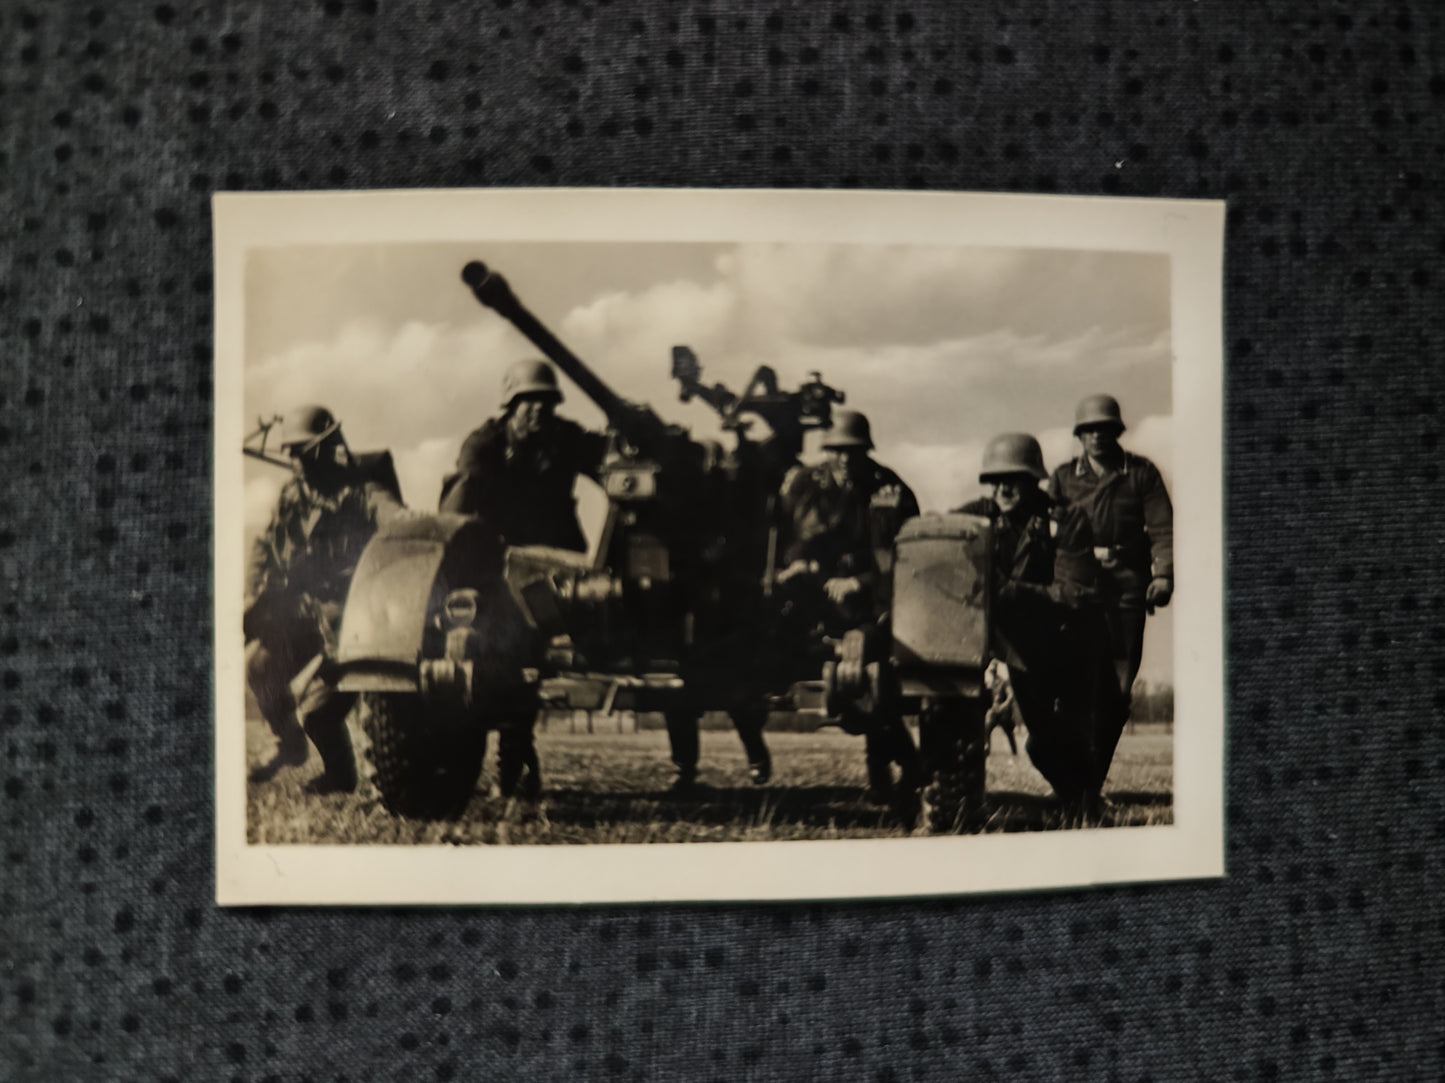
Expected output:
(929, 657)
(673, 611)
(447, 632)
(787, 414)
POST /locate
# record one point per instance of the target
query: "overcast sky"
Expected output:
(941, 346)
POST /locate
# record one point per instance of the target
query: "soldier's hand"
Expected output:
(840, 590)
(1159, 592)
(795, 569)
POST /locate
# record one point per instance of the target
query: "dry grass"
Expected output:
(612, 788)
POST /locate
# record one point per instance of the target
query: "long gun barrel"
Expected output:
(492, 290)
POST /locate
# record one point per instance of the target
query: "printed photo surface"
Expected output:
(584, 546)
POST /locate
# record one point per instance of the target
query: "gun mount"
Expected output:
(254, 445)
(789, 414)
(665, 561)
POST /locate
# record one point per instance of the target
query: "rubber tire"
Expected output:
(425, 759)
(955, 750)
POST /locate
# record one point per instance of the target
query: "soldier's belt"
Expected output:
(1111, 555)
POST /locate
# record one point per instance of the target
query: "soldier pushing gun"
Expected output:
(1048, 624)
(300, 569)
(517, 472)
(518, 469)
(841, 517)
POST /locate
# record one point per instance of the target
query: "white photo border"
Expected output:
(1190, 232)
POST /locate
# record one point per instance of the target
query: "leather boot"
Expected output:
(331, 739)
(292, 749)
(749, 725)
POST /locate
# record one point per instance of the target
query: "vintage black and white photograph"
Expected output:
(590, 546)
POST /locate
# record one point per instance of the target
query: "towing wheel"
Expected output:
(426, 758)
(953, 735)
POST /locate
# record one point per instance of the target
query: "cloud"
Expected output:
(649, 323)
(942, 476)
(1153, 437)
(926, 340)
(942, 347)
(259, 499)
(873, 295)
(421, 468)
(417, 386)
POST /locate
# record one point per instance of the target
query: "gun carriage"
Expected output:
(447, 632)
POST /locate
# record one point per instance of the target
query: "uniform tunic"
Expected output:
(1129, 514)
(301, 568)
(304, 560)
(1049, 629)
(524, 492)
(1023, 553)
(847, 527)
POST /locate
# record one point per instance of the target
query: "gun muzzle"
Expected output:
(490, 288)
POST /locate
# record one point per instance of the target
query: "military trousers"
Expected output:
(273, 662)
(886, 744)
(1126, 640)
(1069, 696)
(519, 771)
(682, 736)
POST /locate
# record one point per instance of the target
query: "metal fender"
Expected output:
(940, 613)
(401, 582)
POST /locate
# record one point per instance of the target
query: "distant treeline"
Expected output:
(1153, 701)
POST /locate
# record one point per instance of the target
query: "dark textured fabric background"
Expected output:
(1321, 123)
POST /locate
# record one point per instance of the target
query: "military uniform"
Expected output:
(1132, 522)
(746, 505)
(1023, 553)
(1049, 630)
(301, 567)
(524, 491)
(846, 528)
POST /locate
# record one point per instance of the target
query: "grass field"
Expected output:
(612, 788)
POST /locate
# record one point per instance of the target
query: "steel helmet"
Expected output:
(849, 429)
(1012, 453)
(530, 378)
(1098, 410)
(306, 427)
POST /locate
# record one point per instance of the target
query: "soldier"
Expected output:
(517, 472)
(301, 567)
(840, 518)
(748, 509)
(1132, 522)
(1047, 624)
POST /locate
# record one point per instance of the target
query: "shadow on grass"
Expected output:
(840, 807)
(1149, 799)
(823, 807)
(1015, 812)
